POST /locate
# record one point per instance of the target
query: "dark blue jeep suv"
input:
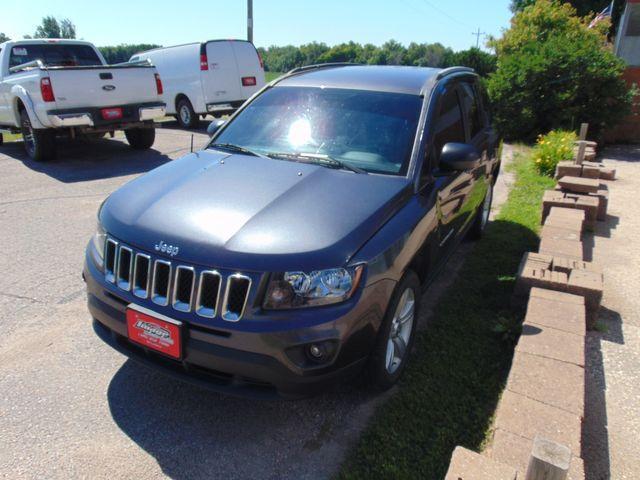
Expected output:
(291, 251)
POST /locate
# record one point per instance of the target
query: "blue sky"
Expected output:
(276, 22)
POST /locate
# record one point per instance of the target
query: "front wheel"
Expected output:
(140, 138)
(396, 335)
(40, 145)
(187, 118)
(482, 217)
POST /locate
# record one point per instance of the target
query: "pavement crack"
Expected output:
(57, 197)
(21, 297)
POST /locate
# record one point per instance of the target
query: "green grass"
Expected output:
(272, 75)
(461, 361)
(11, 137)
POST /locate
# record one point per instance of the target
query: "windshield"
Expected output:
(370, 131)
(54, 55)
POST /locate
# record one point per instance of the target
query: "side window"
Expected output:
(449, 126)
(472, 110)
(22, 54)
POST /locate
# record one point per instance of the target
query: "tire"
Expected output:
(40, 145)
(383, 369)
(140, 138)
(482, 217)
(185, 115)
(1, 139)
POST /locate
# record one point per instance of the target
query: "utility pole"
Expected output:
(477, 35)
(250, 20)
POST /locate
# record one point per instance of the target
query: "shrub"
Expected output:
(554, 73)
(552, 148)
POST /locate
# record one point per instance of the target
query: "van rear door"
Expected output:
(220, 82)
(250, 71)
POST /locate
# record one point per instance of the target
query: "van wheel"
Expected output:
(140, 138)
(396, 335)
(482, 217)
(39, 144)
(187, 118)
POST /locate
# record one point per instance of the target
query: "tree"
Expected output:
(583, 8)
(554, 72)
(3, 38)
(344, 52)
(483, 63)
(51, 28)
(122, 53)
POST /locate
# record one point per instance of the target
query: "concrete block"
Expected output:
(566, 248)
(551, 343)
(468, 465)
(590, 285)
(607, 173)
(568, 168)
(563, 264)
(579, 184)
(590, 172)
(529, 418)
(602, 194)
(559, 384)
(555, 296)
(554, 232)
(562, 315)
(565, 218)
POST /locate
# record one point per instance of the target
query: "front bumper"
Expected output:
(245, 361)
(92, 117)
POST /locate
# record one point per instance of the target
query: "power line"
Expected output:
(442, 12)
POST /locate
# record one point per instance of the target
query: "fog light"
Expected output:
(316, 351)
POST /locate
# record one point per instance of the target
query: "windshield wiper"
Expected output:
(236, 148)
(320, 159)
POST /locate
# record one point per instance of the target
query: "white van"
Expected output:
(213, 77)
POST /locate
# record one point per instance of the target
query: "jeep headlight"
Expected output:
(320, 287)
(98, 240)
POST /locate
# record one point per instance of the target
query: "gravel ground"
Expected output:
(611, 433)
(70, 407)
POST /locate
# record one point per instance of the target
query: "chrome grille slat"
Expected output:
(141, 275)
(176, 286)
(183, 284)
(110, 257)
(124, 268)
(159, 286)
(235, 297)
(208, 293)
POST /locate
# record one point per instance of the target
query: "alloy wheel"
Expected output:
(185, 114)
(400, 331)
(28, 137)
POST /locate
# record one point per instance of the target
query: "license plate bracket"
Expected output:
(154, 331)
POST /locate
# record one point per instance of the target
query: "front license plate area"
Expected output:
(154, 331)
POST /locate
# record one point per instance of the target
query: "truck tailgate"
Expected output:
(102, 86)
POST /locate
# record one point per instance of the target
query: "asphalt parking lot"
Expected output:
(70, 407)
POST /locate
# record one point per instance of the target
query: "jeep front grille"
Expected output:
(208, 293)
(161, 282)
(183, 288)
(235, 298)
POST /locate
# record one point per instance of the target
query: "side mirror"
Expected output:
(214, 126)
(459, 156)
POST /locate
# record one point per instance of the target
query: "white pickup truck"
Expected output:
(51, 87)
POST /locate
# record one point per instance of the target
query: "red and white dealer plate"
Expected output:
(154, 331)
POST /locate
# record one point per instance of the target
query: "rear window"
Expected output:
(54, 55)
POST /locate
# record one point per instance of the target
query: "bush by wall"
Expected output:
(552, 148)
(554, 72)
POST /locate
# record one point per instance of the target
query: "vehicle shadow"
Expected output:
(84, 160)
(196, 433)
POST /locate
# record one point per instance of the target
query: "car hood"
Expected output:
(253, 213)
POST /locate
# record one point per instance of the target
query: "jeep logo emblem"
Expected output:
(171, 250)
(109, 88)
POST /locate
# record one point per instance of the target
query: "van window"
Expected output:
(54, 55)
(448, 125)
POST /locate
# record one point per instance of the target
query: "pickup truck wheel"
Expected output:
(39, 144)
(187, 118)
(397, 333)
(482, 217)
(140, 138)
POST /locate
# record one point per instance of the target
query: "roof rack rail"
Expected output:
(450, 70)
(318, 66)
